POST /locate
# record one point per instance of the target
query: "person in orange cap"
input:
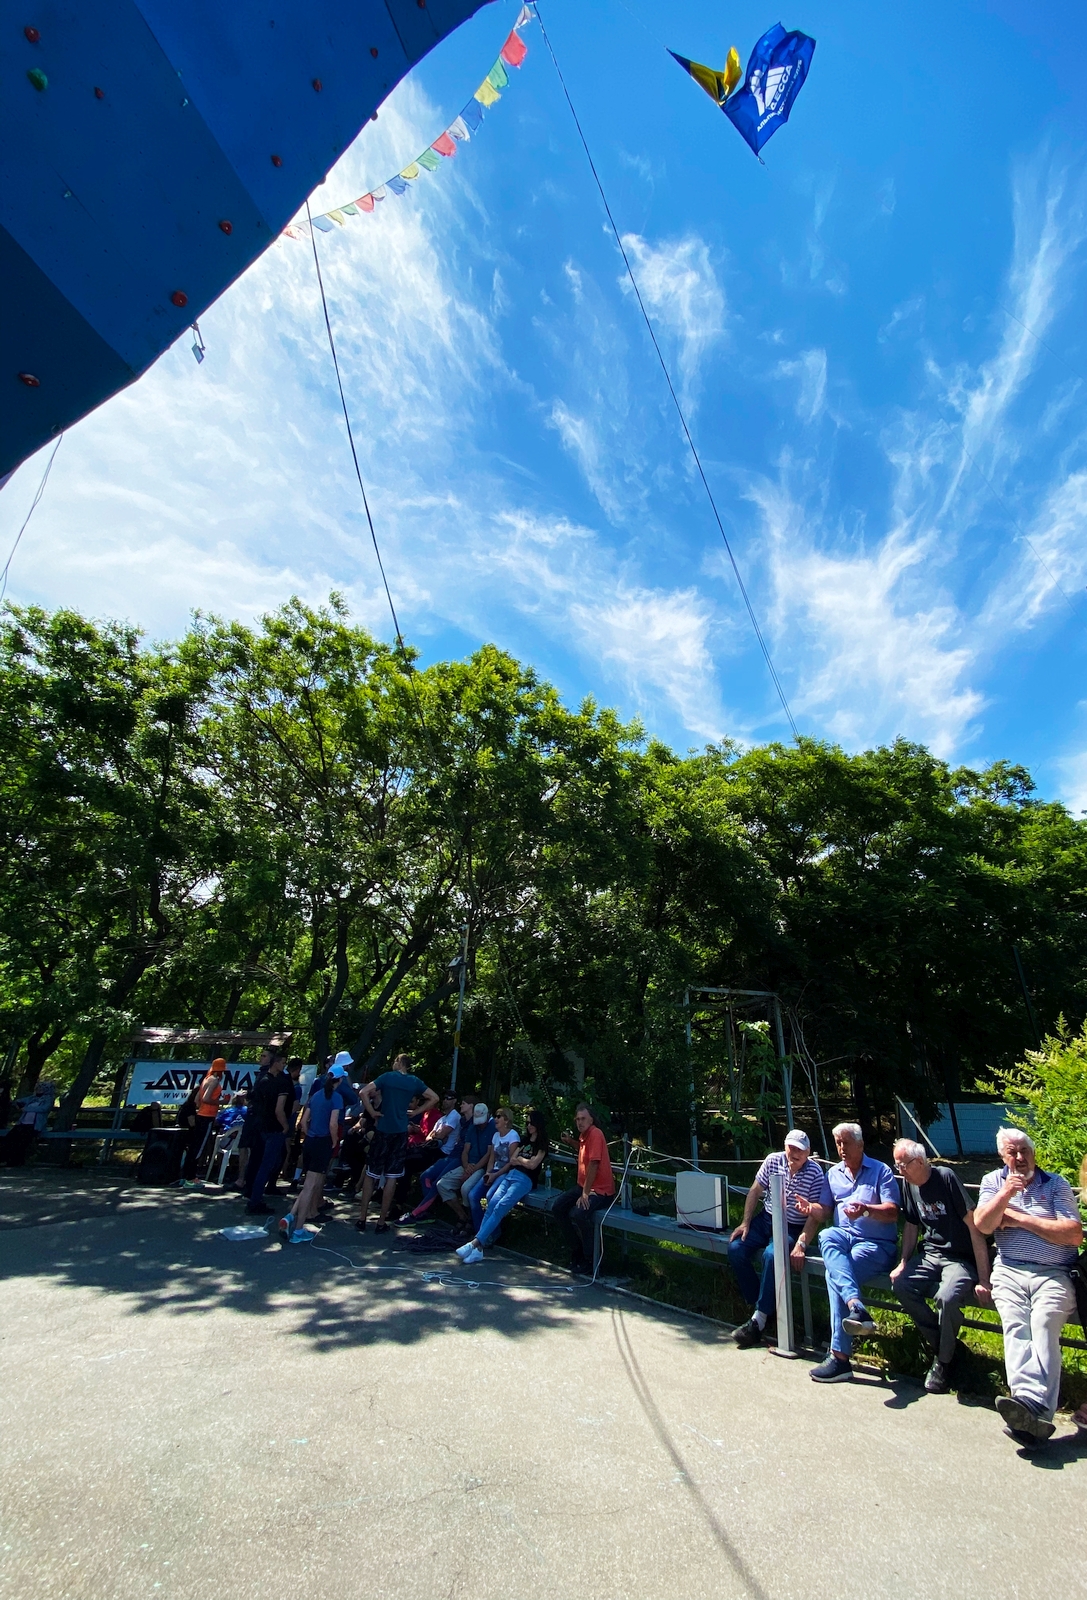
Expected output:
(202, 1135)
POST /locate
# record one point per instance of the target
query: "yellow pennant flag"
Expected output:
(718, 85)
(486, 94)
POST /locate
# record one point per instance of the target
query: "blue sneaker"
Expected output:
(301, 1236)
(832, 1370)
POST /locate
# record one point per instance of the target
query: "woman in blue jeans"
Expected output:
(521, 1176)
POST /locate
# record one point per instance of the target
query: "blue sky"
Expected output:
(900, 463)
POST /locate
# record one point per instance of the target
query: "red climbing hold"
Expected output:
(318, 85)
(179, 298)
(373, 51)
(28, 377)
(277, 161)
(227, 227)
(99, 94)
(32, 35)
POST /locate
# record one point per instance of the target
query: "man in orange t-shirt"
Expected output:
(593, 1191)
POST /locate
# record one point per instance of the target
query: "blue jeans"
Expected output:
(502, 1196)
(275, 1145)
(849, 1263)
(428, 1183)
(758, 1291)
(475, 1195)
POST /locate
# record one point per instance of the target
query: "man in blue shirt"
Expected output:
(1035, 1220)
(862, 1244)
(460, 1183)
(388, 1148)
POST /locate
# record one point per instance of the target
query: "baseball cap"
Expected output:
(480, 1114)
(218, 1065)
(798, 1139)
(343, 1061)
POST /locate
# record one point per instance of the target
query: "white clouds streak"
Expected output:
(679, 286)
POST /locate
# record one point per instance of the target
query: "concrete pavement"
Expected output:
(183, 1417)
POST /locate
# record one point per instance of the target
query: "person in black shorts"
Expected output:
(388, 1148)
(321, 1123)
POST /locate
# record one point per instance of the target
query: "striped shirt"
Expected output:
(1047, 1195)
(810, 1182)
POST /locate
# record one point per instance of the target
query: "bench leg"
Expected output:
(805, 1296)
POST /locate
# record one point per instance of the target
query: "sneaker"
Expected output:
(474, 1255)
(1025, 1441)
(938, 1378)
(407, 1216)
(832, 1370)
(747, 1334)
(259, 1210)
(284, 1226)
(1079, 1418)
(1022, 1416)
(381, 1227)
(360, 1227)
(464, 1252)
(189, 1183)
(859, 1323)
(301, 1236)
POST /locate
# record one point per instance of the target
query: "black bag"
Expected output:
(1078, 1269)
(160, 1159)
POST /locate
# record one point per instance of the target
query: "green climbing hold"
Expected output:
(38, 78)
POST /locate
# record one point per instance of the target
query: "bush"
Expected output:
(1047, 1095)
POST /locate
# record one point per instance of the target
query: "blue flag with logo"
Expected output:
(775, 75)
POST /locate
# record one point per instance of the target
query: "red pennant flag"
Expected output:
(365, 202)
(444, 146)
(514, 51)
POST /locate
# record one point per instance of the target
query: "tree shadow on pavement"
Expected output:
(160, 1250)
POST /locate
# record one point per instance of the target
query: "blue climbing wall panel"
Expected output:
(150, 150)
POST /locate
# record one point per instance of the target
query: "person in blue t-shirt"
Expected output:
(322, 1125)
(862, 1244)
(388, 1148)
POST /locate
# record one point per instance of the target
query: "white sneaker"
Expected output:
(465, 1251)
(473, 1256)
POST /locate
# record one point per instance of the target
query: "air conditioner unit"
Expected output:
(698, 1200)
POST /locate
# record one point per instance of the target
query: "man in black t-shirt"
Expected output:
(953, 1267)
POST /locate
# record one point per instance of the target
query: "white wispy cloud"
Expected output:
(808, 378)
(680, 288)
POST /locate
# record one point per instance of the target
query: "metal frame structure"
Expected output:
(779, 1037)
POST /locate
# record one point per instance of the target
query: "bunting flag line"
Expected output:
(444, 147)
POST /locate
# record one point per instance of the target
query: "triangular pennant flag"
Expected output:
(429, 160)
(498, 77)
(366, 202)
(457, 129)
(411, 172)
(524, 19)
(351, 210)
(718, 85)
(397, 185)
(472, 115)
(378, 193)
(486, 94)
(294, 233)
(444, 145)
(337, 217)
(324, 224)
(514, 51)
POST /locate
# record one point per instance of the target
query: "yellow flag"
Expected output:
(718, 85)
(410, 171)
(486, 94)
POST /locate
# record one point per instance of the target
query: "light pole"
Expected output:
(460, 961)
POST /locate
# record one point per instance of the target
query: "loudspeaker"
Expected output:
(162, 1155)
(698, 1200)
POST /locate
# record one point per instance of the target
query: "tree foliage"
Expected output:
(290, 824)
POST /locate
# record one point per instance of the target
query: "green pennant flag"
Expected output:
(498, 77)
(429, 160)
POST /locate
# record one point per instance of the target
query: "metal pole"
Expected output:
(690, 1068)
(1026, 997)
(786, 1069)
(460, 1009)
(783, 1276)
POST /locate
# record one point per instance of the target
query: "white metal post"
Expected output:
(783, 1277)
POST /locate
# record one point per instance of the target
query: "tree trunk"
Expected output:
(88, 1071)
(38, 1051)
(326, 1015)
(401, 1024)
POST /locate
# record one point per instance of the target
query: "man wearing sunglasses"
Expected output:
(953, 1266)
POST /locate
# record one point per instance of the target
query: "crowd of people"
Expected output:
(853, 1209)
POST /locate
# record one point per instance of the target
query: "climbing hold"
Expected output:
(318, 85)
(179, 298)
(373, 116)
(227, 227)
(421, 4)
(99, 94)
(277, 161)
(373, 51)
(29, 379)
(38, 78)
(32, 35)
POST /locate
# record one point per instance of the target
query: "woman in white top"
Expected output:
(504, 1146)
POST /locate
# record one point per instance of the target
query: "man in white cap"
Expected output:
(803, 1179)
(457, 1186)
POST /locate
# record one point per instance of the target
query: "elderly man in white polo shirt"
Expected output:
(805, 1181)
(1035, 1220)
